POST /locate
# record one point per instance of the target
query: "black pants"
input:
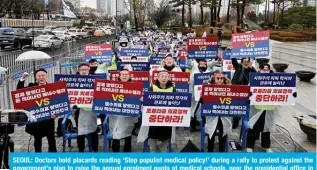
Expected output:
(51, 142)
(235, 122)
(81, 139)
(94, 141)
(254, 133)
(127, 145)
(222, 139)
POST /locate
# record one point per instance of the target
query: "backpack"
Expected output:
(68, 125)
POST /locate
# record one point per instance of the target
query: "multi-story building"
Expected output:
(101, 5)
(76, 4)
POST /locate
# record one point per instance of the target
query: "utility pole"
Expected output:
(116, 25)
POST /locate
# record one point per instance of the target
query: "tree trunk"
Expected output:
(134, 15)
(211, 16)
(218, 14)
(228, 11)
(265, 12)
(242, 13)
(190, 23)
(201, 15)
(274, 12)
(282, 10)
(183, 14)
(238, 14)
(268, 10)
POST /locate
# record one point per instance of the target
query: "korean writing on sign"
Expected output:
(202, 47)
(42, 101)
(136, 76)
(80, 88)
(225, 100)
(117, 98)
(256, 44)
(137, 66)
(100, 52)
(163, 50)
(179, 79)
(273, 89)
(166, 109)
(202, 78)
(139, 59)
(97, 47)
(144, 52)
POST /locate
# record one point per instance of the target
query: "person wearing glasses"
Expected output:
(85, 119)
(214, 123)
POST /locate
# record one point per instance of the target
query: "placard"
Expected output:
(166, 109)
(273, 89)
(254, 44)
(42, 101)
(179, 79)
(202, 47)
(137, 66)
(117, 98)
(141, 54)
(80, 88)
(225, 100)
(101, 52)
(136, 76)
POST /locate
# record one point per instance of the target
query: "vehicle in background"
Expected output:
(83, 34)
(99, 33)
(37, 32)
(64, 36)
(59, 30)
(90, 30)
(48, 42)
(74, 32)
(107, 31)
(16, 38)
(49, 28)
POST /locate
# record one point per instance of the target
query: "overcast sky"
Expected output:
(89, 3)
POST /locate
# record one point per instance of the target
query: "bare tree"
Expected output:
(162, 13)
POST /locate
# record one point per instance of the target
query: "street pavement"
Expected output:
(299, 56)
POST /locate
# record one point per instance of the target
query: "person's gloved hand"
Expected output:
(295, 94)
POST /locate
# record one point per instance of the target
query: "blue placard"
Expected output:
(226, 54)
(202, 78)
(70, 65)
(157, 60)
(166, 161)
(209, 53)
(137, 66)
(105, 57)
(167, 99)
(79, 81)
(44, 66)
(183, 88)
(48, 65)
(138, 52)
(272, 80)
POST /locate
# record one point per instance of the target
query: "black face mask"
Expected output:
(93, 69)
(202, 69)
(169, 68)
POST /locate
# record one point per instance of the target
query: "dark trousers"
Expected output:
(51, 142)
(81, 138)
(254, 133)
(94, 141)
(127, 144)
(222, 139)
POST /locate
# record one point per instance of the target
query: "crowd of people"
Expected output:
(122, 128)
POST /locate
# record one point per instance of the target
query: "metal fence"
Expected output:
(59, 64)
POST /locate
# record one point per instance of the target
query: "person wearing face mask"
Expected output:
(121, 127)
(44, 128)
(159, 133)
(241, 77)
(213, 123)
(262, 120)
(85, 119)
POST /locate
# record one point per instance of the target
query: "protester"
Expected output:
(86, 120)
(121, 127)
(95, 67)
(214, 123)
(168, 64)
(241, 77)
(262, 120)
(158, 133)
(134, 58)
(45, 128)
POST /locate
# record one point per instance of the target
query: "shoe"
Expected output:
(269, 150)
(249, 150)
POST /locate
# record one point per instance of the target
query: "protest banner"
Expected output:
(182, 54)
(227, 63)
(225, 100)
(142, 54)
(163, 50)
(254, 44)
(202, 78)
(179, 79)
(202, 47)
(101, 52)
(272, 89)
(117, 98)
(166, 109)
(137, 66)
(136, 76)
(42, 101)
(80, 88)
